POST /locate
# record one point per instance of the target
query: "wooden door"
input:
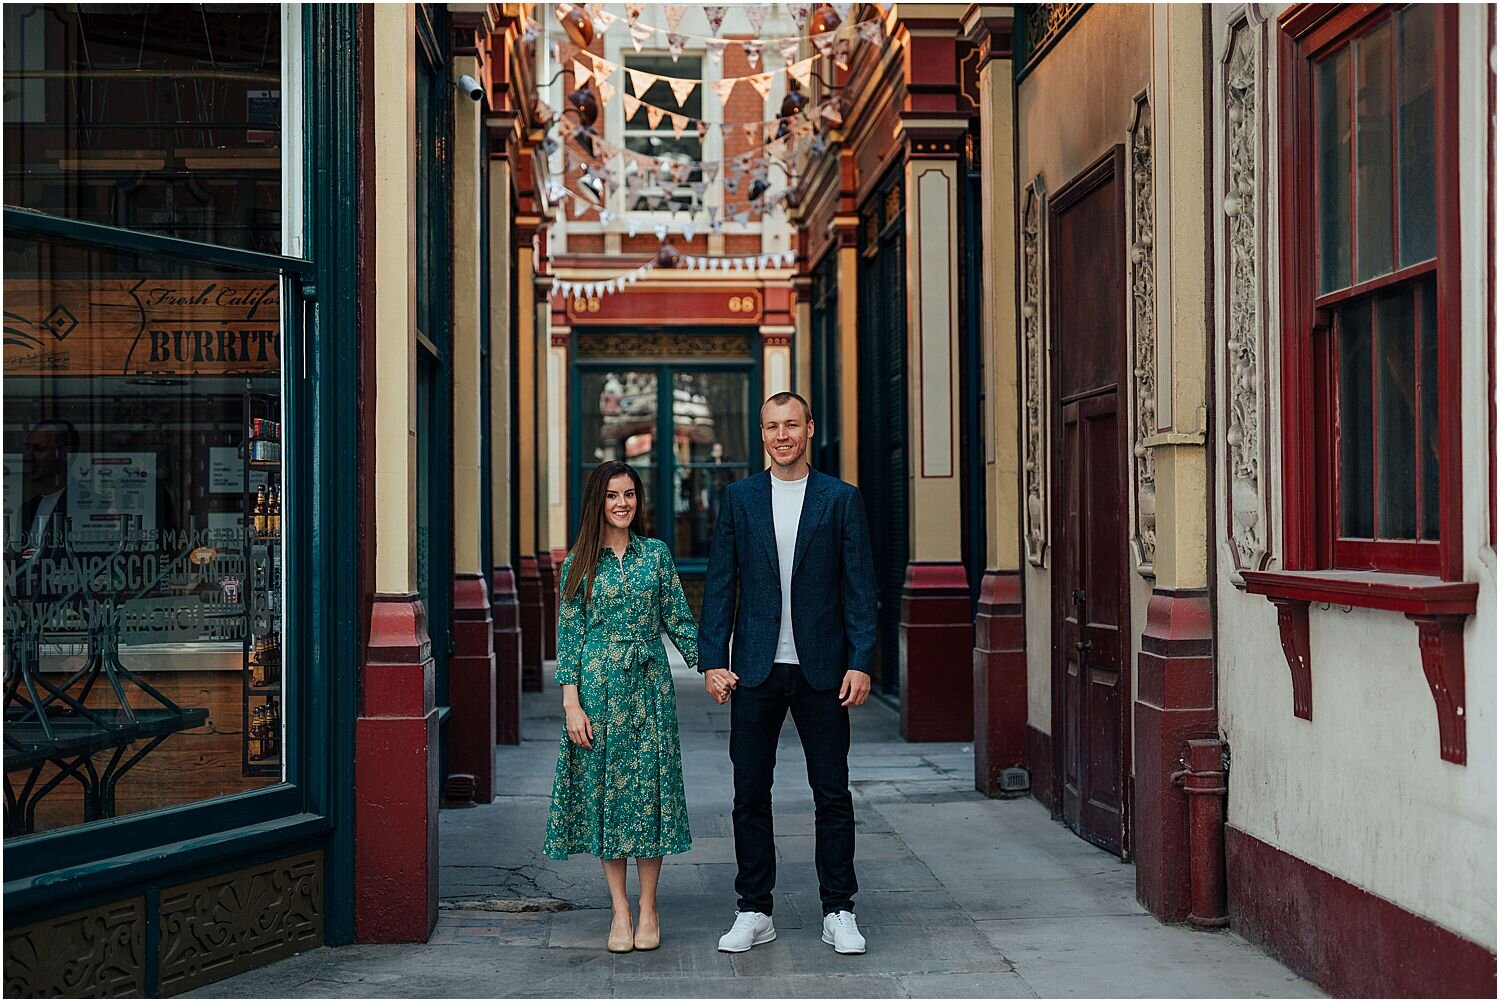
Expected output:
(1091, 670)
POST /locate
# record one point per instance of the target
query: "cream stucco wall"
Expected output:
(395, 300)
(467, 233)
(499, 306)
(1075, 105)
(1360, 790)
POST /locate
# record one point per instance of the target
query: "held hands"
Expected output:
(720, 683)
(855, 690)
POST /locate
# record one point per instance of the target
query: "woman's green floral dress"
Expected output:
(624, 797)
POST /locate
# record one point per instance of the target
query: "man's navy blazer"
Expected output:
(833, 584)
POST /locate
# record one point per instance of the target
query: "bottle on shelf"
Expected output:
(258, 514)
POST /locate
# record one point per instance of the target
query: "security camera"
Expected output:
(471, 87)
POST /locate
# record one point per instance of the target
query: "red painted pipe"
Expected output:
(1204, 782)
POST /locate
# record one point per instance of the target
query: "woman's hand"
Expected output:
(580, 728)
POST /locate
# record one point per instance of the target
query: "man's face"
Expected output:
(46, 455)
(785, 430)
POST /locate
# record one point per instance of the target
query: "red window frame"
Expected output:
(1309, 365)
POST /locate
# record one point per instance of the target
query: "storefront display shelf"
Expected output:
(262, 677)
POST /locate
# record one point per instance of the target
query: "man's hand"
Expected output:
(720, 683)
(856, 688)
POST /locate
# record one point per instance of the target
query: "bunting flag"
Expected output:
(871, 31)
(606, 92)
(724, 88)
(702, 131)
(632, 106)
(674, 14)
(824, 42)
(640, 81)
(675, 44)
(788, 48)
(640, 34)
(679, 122)
(716, 48)
(801, 72)
(799, 13)
(756, 15)
(842, 51)
(633, 11)
(762, 84)
(604, 20)
(582, 73)
(752, 134)
(752, 53)
(715, 17)
(654, 115)
(681, 89)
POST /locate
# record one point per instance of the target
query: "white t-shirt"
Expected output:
(786, 511)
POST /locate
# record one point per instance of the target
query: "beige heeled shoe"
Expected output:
(649, 942)
(620, 944)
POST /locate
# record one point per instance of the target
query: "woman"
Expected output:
(618, 788)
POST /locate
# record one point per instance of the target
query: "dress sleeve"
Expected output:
(570, 629)
(676, 616)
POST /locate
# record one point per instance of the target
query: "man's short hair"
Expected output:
(786, 396)
(74, 442)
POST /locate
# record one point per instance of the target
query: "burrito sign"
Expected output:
(143, 327)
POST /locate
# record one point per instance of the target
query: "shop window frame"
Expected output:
(63, 869)
(1310, 368)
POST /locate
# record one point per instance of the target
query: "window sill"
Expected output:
(1413, 594)
(1439, 608)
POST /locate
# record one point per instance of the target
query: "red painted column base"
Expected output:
(1349, 942)
(505, 608)
(547, 571)
(999, 679)
(937, 654)
(471, 686)
(533, 613)
(1174, 704)
(396, 780)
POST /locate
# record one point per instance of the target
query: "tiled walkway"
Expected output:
(960, 896)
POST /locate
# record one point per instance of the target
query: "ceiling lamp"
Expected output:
(668, 256)
(757, 189)
(586, 103)
(578, 25)
(794, 101)
(824, 20)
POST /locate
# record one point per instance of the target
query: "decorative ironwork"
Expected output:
(1143, 322)
(1034, 348)
(1244, 383)
(1040, 26)
(97, 953)
(215, 928)
(614, 346)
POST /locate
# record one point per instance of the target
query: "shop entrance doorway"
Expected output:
(1091, 672)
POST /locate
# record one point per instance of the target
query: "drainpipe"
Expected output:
(1204, 780)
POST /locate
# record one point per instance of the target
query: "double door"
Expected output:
(687, 429)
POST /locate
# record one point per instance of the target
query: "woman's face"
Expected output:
(620, 501)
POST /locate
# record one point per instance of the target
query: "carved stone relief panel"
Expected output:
(1244, 281)
(1034, 374)
(97, 953)
(1143, 336)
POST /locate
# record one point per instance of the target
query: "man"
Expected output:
(791, 551)
(50, 446)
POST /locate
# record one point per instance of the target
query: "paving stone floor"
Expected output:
(961, 897)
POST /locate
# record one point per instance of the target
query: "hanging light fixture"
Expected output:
(824, 20)
(794, 101)
(668, 256)
(586, 103)
(578, 25)
(757, 189)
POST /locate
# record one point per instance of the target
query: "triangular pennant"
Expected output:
(756, 15)
(681, 89)
(675, 44)
(604, 68)
(640, 34)
(711, 171)
(717, 226)
(582, 73)
(752, 52)
(702, 131)
(871, 31)
(632, 105)
(606, 92)
(689, 230)
(801, 72)
(679, 122)
(715, 17)
(824, 42)
(605, 217)
(762, 84)
(632, 226)
(633, 11)
(724, 88)
(841, 53)
(674, 14)
(640, 81)
(788, 47)
(579, 206)
(799, 13)
(752, 131)
(661, 231)
(699, 187)
(742, 218)
(715, 48)
(654, 115)
(603, 21)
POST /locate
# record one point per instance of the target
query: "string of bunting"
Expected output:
(756, 14)
(718, 215)
(619, 283)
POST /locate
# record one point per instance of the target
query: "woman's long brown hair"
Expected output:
(590, 540)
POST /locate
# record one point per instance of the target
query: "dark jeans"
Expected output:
(755, 719)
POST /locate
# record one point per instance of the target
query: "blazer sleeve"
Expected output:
(676, 615)
(860, 612)
(719, 589)
(570, 631)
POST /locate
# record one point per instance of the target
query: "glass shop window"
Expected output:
(143, 420)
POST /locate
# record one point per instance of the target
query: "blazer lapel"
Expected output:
(813, 506)
(762, 519)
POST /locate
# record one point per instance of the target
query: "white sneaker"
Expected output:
(750, 929)
(841, 932)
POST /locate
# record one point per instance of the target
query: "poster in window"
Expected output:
(263, 112)
(103, 486)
